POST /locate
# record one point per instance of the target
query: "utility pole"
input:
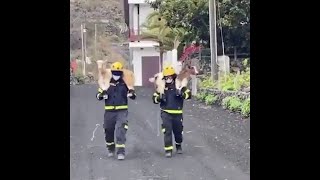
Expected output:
(95, 41)
(82, 49)
(213, 39)
(85, 48)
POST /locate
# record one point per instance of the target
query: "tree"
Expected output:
(235, 19)
(185, 14)
(157, 30)
(193, 16)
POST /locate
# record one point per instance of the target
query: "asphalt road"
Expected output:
(216, 143)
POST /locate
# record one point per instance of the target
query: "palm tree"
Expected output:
(157, 30)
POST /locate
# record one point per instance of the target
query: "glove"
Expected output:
(183, 90)
(180, 92)
(131, 94)
(104, 95)
(185, 93)
(156, 98)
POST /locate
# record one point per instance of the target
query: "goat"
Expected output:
(105, 75)
(181, 81)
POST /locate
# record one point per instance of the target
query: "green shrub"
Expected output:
(230, 82)
(235, 104)
(232, 103)
(207, 82)
(225, 102)
(201, 96)
(81, 79)
(246, 63)
(227, 83)
(210, 99)
(245, 76)
(245, 108)
(234, 82)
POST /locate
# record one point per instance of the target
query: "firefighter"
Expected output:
(171, 105)
(116, 111)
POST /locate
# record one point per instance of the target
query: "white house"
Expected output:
(144, 55)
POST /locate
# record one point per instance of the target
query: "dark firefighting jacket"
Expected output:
(172, 102)
(116, 95)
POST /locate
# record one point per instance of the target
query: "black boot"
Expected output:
(121, 156)
(169, 154)
(111, 150)
(121, 153)
(179, 148)
(110, 153)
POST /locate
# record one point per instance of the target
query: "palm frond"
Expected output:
(156, 29)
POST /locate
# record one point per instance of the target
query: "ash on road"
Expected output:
(216, 143)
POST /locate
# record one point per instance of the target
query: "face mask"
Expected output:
(116, 77)
(169, 80)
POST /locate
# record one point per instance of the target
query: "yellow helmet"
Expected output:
(168, 71)
(116, 66)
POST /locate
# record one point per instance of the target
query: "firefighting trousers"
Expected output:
(116, 123)
(171, 123)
